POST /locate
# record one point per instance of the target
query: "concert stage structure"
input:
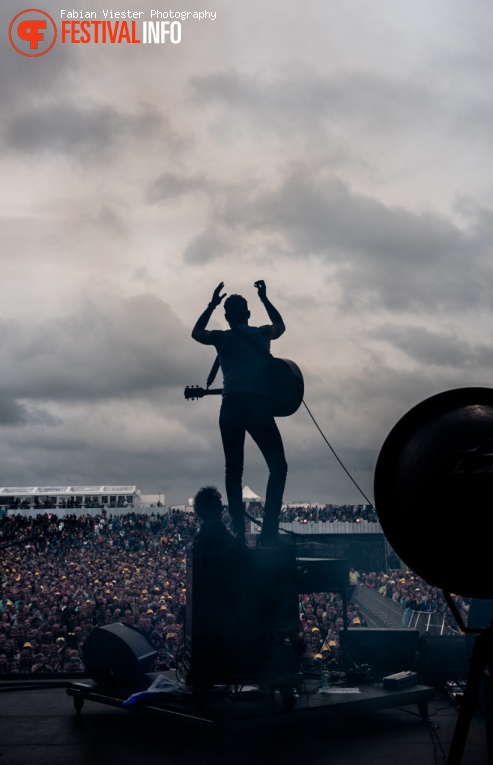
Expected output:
(38, 725)
(244, 707)
(241, 664)
(262, 709)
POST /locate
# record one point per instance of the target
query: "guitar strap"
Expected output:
(262, 351)
(213, 372)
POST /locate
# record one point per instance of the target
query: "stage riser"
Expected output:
(386, 651)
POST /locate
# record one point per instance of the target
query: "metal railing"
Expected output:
(431, 623)
(326, 527)
(378, 609)
(384, 612)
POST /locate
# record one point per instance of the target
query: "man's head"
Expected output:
(236, 310)
(207, 504)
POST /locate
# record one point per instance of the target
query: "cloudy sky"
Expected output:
(339, 149)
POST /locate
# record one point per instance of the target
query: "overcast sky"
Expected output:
(339, 149)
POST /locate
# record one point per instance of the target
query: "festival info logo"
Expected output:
(32, 32)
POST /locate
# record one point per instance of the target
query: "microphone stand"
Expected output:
(480, 668)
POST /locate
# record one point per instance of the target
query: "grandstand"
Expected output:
(28, 499)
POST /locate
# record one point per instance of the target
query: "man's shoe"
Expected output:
(269, 538)
(275, 540)
(240, 540)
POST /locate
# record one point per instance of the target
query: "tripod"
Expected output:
(480, 669)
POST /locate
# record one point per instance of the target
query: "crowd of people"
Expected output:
(325, 514)
(411, 592)
(62, 577)
(72, 574)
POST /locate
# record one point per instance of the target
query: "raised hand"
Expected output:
(217, 298)
(261, 289)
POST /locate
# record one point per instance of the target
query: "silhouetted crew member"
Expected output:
(209, 509)
(246, 405)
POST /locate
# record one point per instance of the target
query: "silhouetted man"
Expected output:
(209, 509)
(244, 358)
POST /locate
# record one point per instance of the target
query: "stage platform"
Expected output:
(247, 706)
(39, 725)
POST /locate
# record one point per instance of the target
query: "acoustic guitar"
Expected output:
(285, 382)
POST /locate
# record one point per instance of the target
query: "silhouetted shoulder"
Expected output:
(209, 336)
(270, 331)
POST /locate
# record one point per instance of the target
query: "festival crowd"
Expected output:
(325, 514)
(71, 574)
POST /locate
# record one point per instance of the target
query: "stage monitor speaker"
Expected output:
(118, 656)
(238, 602)
(385, 650)
(322, 574)
(442, 658)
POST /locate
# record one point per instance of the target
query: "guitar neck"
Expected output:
(195, 391)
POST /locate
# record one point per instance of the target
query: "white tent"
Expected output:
(250, 496)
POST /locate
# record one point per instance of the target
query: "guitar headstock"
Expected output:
(194, 391)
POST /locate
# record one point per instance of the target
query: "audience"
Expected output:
(325, 514)
(73, 573)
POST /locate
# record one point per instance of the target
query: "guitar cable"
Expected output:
(337, 458)
(293, 533)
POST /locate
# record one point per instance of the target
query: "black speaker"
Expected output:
(442, 658)
(322, 574)
(385, 650)
(117, 656)
(237, 601)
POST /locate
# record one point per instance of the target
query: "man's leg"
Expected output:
(264, 431)
(233, 431)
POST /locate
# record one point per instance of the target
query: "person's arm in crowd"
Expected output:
(199, 332)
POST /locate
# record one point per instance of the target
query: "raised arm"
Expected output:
(199, 332)
(278, 326)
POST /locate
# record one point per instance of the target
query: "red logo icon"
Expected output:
(32, 32)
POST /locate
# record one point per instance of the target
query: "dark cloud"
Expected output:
(383, 255)
(106, 349)
(169, 186)
(207, 246)
(15, 414)
(331, 107)
(110, 221)
(433, 347)
(12, 412)
(302, 101)
(147, 121)
(323, 216)
(63, 128)
(66, 457)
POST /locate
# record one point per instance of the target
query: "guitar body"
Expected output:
(285, 383)
(286, 386)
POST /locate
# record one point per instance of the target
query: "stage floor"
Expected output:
(243, 707)
(39, 726)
